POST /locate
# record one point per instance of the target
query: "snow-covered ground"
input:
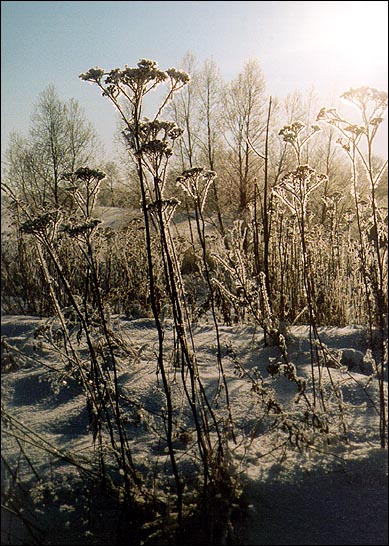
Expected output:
(334, 492)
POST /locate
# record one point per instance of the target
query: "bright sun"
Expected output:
(354, 35)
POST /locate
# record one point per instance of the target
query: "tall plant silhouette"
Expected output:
(150, 143)
(357, 140)
(294, 191)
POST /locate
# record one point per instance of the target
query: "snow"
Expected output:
(115, 217)
(332, 493)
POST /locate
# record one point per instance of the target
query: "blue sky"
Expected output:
(298, 44)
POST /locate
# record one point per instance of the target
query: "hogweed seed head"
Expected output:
(178, 75)
(361, 96)
(291, 132)
(196, 182)
(93, 74)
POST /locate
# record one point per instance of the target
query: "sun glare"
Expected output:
(354, 35)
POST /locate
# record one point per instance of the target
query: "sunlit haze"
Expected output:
(327, 46)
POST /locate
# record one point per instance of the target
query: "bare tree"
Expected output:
(184, 109)
(198, 109)
(210, 93)
(244, 107)
(60, 140)
(209, 89)
(21, 170)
